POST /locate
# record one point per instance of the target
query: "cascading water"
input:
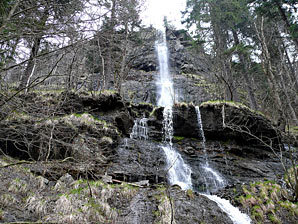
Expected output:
(234, 213)
(140, 129)
(178, 172)
(200, 125)
(214, 181)
(164, 83)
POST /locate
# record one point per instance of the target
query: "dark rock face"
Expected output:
(222, 121)
(195, 208)
(78, 137)
(124, 123)
(233, 154)
(138, 160)
(43, 135)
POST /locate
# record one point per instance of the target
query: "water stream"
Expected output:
(213, 180)
(234, 213)
(177, 170)
(140, 129)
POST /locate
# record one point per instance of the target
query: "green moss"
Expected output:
(190, 194)
(182, 104)
(178, 138)
(156, 213)
(146, 103)
(292, 129)
(264, 199)
(224, 102)
(232, 104)
(81, 115)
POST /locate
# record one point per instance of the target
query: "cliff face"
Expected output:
(70, 160)
(189, 67)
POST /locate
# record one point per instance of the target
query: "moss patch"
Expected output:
(231, 104)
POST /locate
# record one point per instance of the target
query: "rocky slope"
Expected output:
(67, 158)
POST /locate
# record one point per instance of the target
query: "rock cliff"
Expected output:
(71, 160)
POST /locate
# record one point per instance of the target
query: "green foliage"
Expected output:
(265, 200)
(190, 194)
(178, 138)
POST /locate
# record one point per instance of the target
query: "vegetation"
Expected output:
(62, 67)
(268, 201)
(237, 30)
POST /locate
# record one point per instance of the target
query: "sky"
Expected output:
(157, 9)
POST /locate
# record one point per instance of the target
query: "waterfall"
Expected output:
(178, 171)
(164, 83)
(234, 213)
(168, 129)
(201, 132)
(213, 179)
(140, 129)
(214, 182)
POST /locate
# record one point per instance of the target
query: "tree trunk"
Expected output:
(34, 51)
(30, 65)
(245, 68)
(123, 61)
(110, 67)
(224, 61)
(268, 70)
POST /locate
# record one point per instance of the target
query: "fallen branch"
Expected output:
(17, 163)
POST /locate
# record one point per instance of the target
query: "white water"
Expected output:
(214, 182)
(234, 213)
(164, 83)
(140, 129)
(178, 171)
(213, 179)
(200, 125)
(167, 122)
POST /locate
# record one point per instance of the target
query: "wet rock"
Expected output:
(189, 151)
(67, 179)
(142, 183)
(138, 161)
(189, 67)
(124, 123)
(190, 207)
(240, 124)
(141, 209)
